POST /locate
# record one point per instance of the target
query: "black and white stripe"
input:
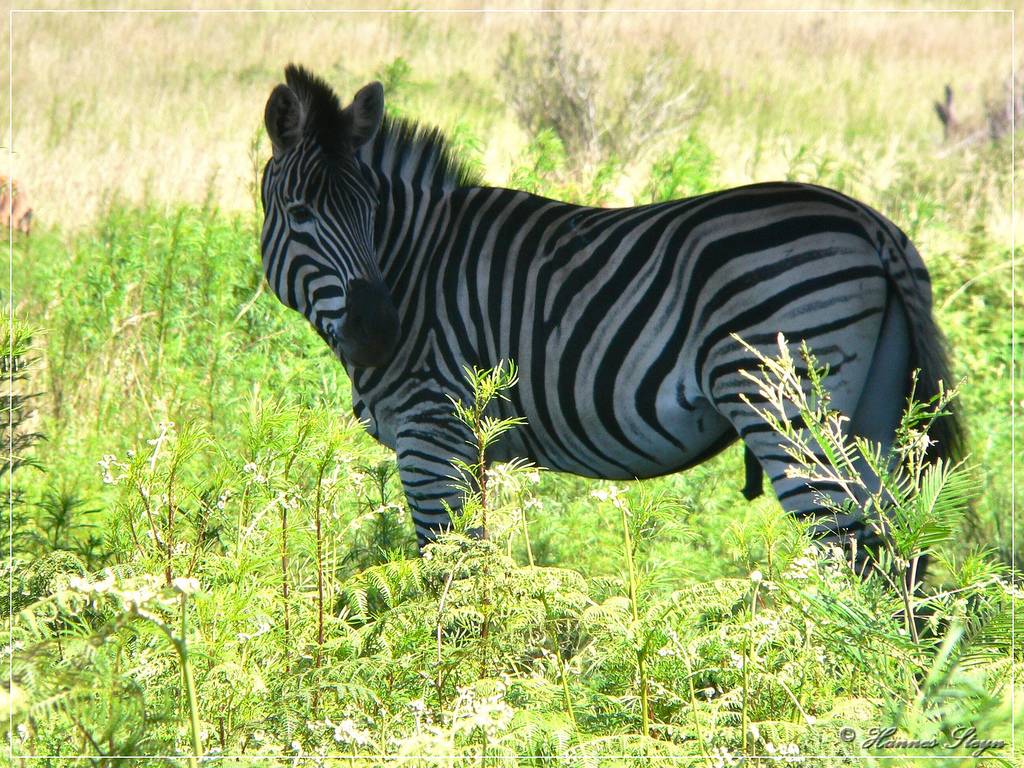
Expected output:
(620, 320)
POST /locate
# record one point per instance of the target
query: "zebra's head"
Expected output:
(319, 203)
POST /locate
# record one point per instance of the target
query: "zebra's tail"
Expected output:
(929, 354)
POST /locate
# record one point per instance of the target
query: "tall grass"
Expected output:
(473, 651)
(860, 82)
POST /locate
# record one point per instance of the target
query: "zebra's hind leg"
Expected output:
(867, 381)
(881, 404)
(753, 485)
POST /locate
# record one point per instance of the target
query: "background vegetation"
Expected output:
(210, 557)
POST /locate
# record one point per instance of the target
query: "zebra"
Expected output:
(621, 320)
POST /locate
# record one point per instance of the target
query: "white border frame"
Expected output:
(467, 11)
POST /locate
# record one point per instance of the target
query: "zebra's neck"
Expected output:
(410, 154)
(416, 170)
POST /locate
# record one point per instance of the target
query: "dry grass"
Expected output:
(166, 106)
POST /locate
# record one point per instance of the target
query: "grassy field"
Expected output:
(211, 558)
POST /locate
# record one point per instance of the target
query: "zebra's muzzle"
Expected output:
(369, 334)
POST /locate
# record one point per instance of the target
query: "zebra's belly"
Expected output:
(603, 446)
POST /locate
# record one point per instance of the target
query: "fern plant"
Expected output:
(915, 503)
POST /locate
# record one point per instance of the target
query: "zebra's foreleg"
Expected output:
(432, 485)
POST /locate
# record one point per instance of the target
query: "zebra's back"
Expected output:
(621, 319)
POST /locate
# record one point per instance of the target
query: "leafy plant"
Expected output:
(687, 171)
(914, 504)
(17, 431)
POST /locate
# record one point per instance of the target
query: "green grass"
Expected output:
(157, 316)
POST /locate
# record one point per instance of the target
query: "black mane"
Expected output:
(418, 153)
(325, 119)
(402, 148)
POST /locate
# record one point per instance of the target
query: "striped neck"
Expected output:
(407, 153)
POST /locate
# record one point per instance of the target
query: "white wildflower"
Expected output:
(137, 598)
(801, 568)
(346, 730)
(185, 585)
(108, 464)
(722, 757)
(287, 500)
(252, 468)
(105, 584)
(611, 493)
(262, 629)
(502, 478)
(1011, 589)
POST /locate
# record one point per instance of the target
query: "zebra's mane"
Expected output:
(324, 117)
(402, 148)
(406, 149)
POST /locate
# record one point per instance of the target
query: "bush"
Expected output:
(552, 83)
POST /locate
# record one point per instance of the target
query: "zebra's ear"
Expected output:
(284, 119)
(365, 114)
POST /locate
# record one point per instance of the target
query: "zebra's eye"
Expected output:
(300, 214)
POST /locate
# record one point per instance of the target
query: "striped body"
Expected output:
(620, 320)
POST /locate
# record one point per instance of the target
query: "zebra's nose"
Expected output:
(369, 334)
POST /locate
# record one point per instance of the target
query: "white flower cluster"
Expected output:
(262, 629)
(252, 468)
(800, 569)
(502, 478)
(185, 585)
(360, 481)
(489, 713)
(147, 592)
(790, 753)
(674, 647)
(722, 757)
(1011, 589)
(166, 433)
(88, 587)
(611, 493)
(348, 732)
(109, 465)
(288, 500)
